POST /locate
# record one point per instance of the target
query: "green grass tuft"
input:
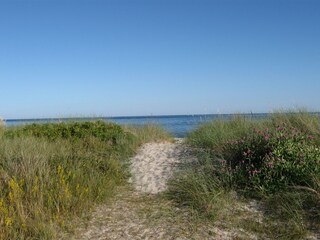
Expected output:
(150, 133)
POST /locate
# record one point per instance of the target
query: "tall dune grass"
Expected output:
(149, 133)
(276, 159)
(50, 173)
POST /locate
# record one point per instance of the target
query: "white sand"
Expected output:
(155, 164)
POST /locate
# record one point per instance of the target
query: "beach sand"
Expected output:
(156, 163)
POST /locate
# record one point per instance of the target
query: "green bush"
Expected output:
(267, 154)
(71, 131)
(272, 160)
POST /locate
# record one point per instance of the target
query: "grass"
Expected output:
(149, 133)
(275, 160)
(51, 173)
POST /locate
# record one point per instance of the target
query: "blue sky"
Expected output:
(110, 58)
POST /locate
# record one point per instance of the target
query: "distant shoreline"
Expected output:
(139, 117)
(178, 125)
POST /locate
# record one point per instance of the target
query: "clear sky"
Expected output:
(133, 57)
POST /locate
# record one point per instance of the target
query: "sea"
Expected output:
(177, 125)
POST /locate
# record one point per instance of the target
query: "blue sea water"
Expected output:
(179, 125)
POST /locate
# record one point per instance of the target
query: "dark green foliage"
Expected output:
(272, 160)
(269, 154)
(70, 131)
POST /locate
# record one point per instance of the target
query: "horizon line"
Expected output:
(140, 116)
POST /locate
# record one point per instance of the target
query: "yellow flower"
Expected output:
(11, 198)
(8, 221)
(24, 226)
(34, 189)
(67, 192)
(13, 184)
(16, 190)
(3, 208)
(59, 169)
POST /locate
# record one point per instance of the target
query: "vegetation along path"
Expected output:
(140, 211)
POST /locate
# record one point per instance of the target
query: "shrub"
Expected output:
(273, 160)
(71, 131)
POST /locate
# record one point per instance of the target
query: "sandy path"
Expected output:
(155, 164)
(137, 212)
(135, 216)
